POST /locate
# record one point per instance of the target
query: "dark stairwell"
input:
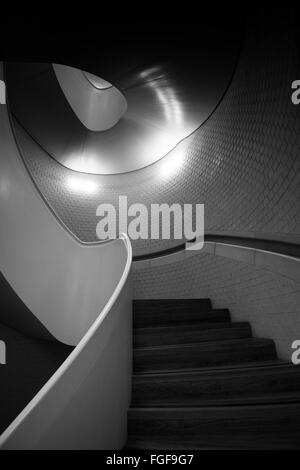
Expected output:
(30, 362)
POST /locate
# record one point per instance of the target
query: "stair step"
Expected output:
(240, 385)
(189, 333)
(166, 305)
(153, 318)
(230, 427)
(229, 367)
(211, 353)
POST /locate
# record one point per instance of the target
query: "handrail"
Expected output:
(22, 432)
(63, 272)
(161, 253)
(264, 244)
(259, 253)
(84, 298)
(92, 84)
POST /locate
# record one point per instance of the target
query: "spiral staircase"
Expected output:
(199, 380)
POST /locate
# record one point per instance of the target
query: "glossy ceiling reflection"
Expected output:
(169, 93)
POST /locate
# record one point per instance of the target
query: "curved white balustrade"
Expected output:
(96, 103)
(64, 282)
(82, 295)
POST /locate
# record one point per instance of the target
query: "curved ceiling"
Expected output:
(170, 91)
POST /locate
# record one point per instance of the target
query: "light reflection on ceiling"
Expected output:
(82, 184)
(167, 101)
(165, 94)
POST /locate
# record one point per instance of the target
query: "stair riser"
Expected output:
(217, 428)
(165, 306)
(191, 335)
(196, 356)
(199, 390)
(154, 318)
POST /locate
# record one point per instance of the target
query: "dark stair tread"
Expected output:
(221, 367)
(189, 332)
(273, 384)
(225, 368)
(228, 427)
(188, 324)
(153, 318)
(208, 353)
(275, 398)
(211, 345)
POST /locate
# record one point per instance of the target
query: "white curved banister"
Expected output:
(84, 405)
(82, 294)
(97, 104)
(63, 282)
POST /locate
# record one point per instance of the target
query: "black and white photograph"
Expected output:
(150, 230)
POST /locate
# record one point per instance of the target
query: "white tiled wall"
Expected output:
(269, 301)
